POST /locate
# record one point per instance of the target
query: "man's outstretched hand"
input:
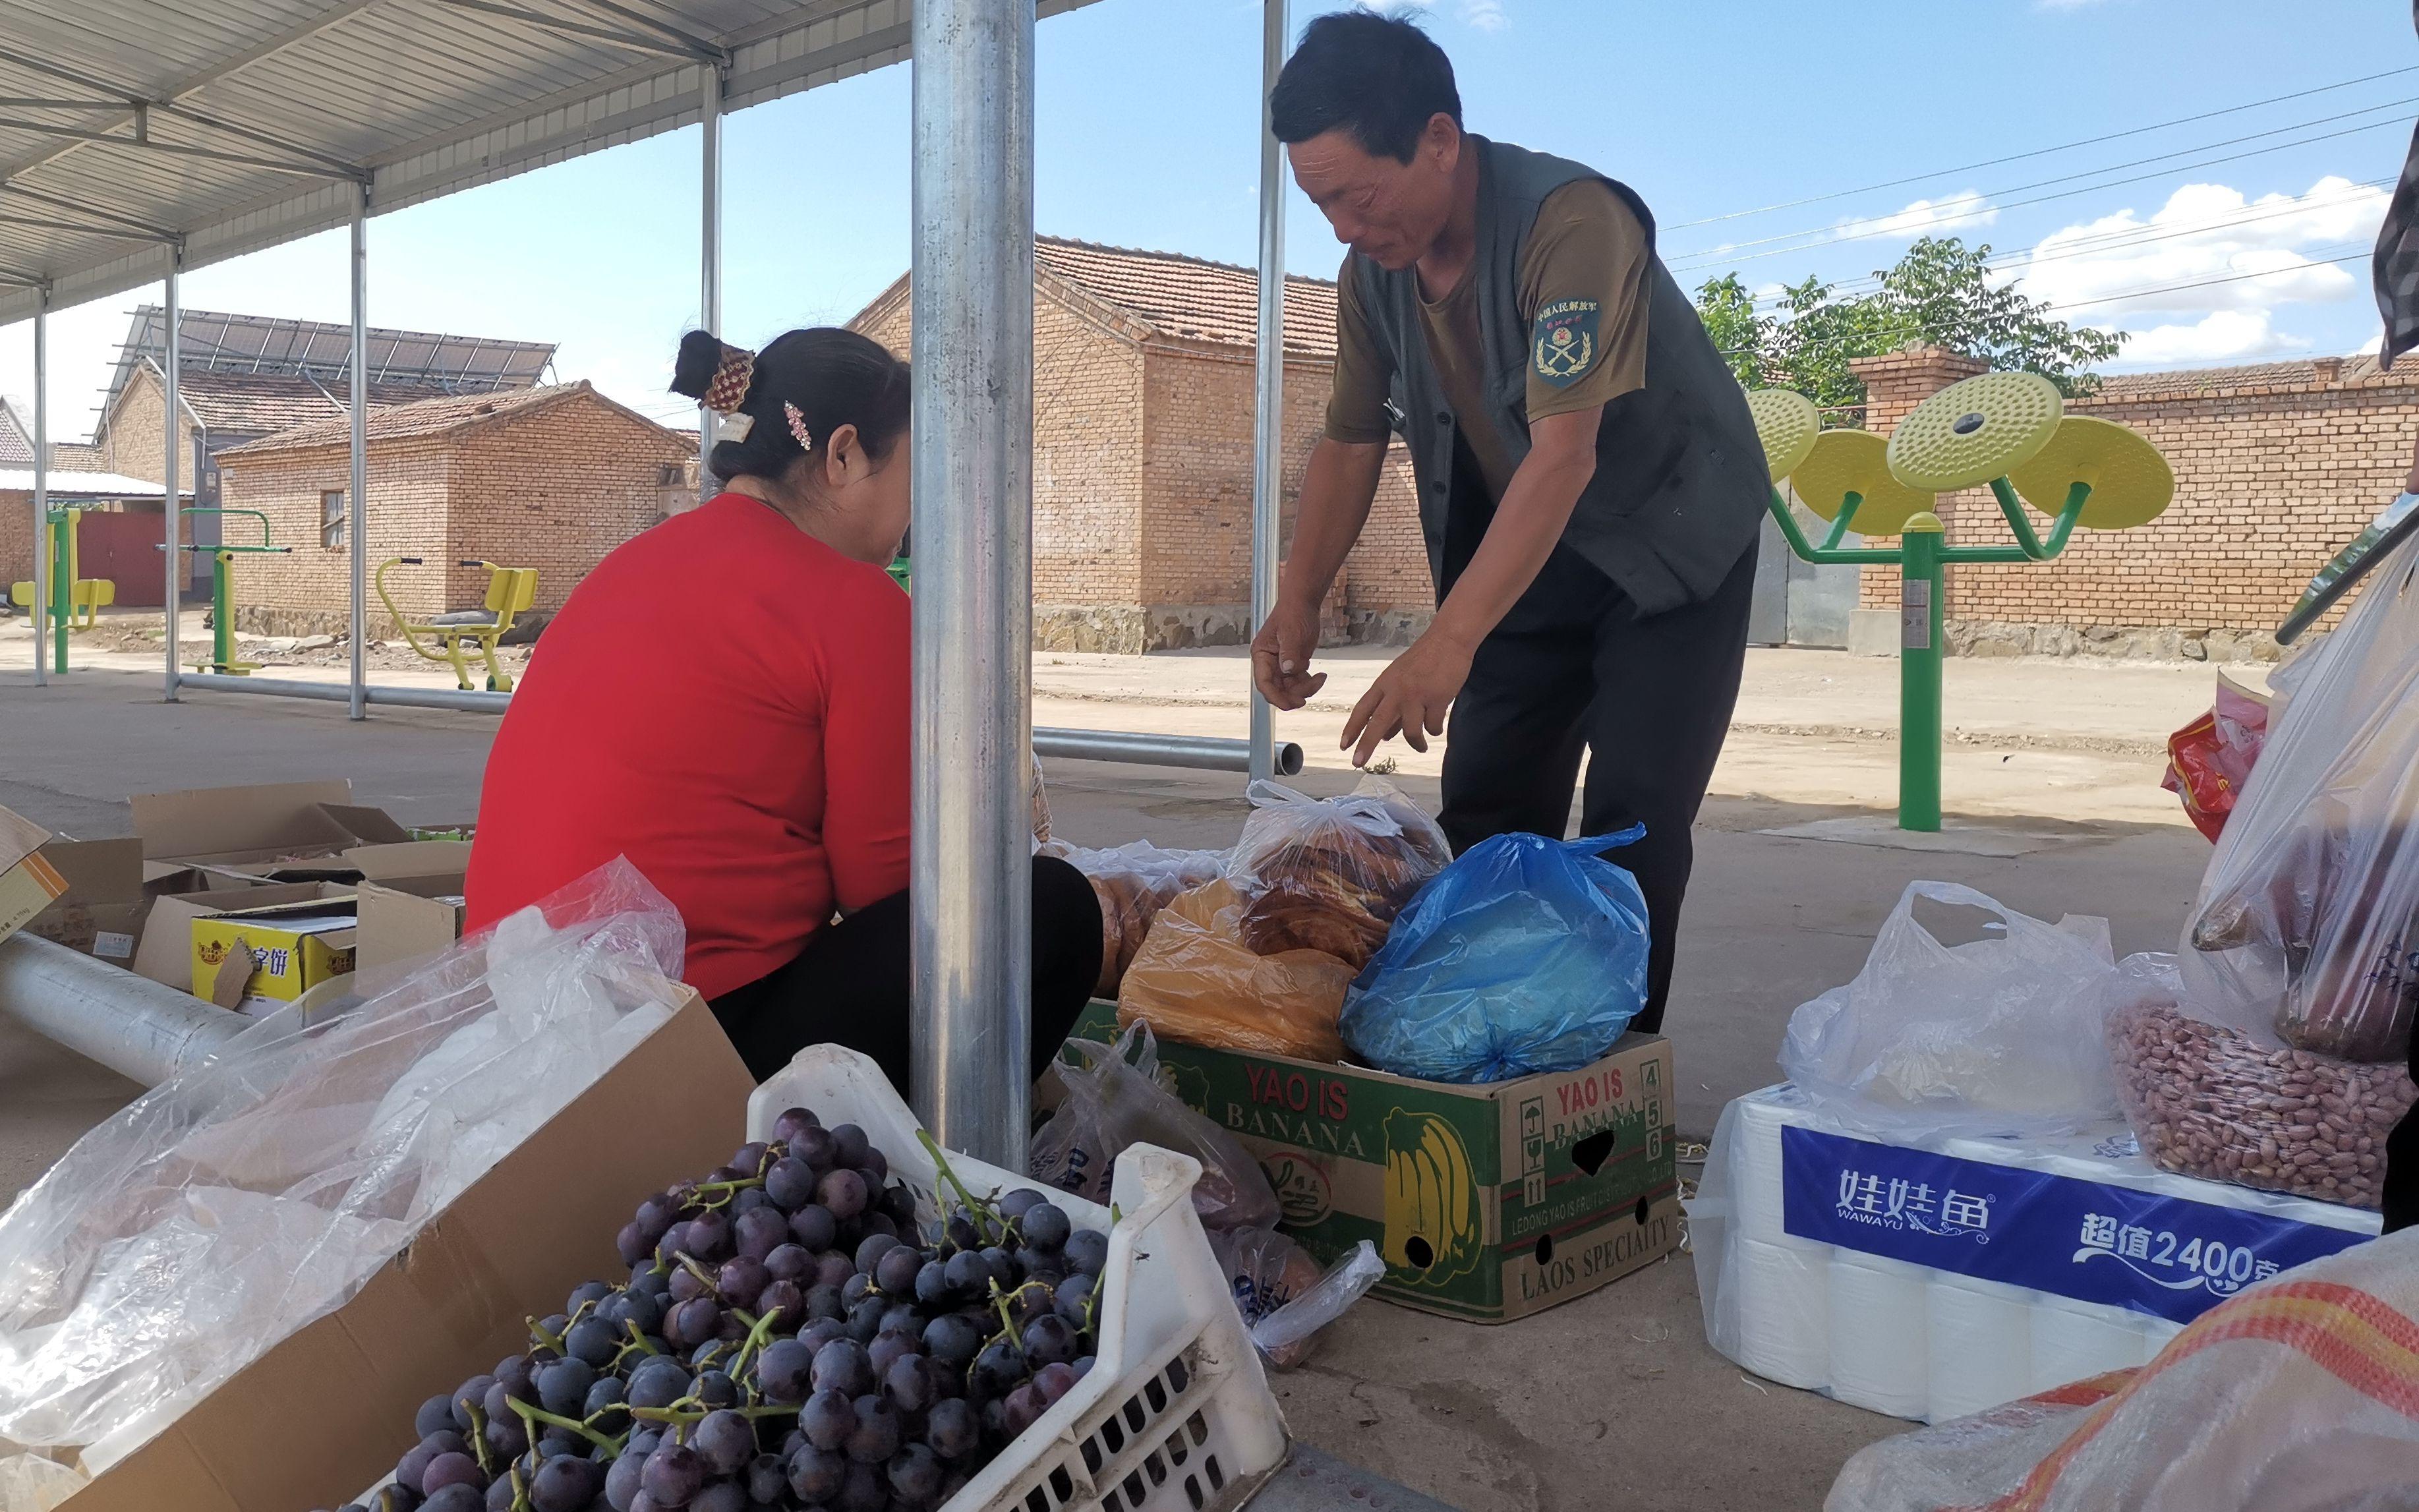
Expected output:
(1281, 656)
(1408, 699)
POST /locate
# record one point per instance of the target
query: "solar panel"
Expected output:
(212, 341)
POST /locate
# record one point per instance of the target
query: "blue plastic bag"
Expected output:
(1524, 955)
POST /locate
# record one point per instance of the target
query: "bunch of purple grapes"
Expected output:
(786, 1339)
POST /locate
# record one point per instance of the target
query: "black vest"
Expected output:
(1680, 481)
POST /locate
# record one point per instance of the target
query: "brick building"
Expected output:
(1142, 462)
(551, 478)
(2277, 464)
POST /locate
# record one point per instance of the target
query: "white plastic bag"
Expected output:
(1997, 1036)
(225, 1208)
(1283, 1295)
(1115, 1100)
(2306, 927)
(2293, 1396)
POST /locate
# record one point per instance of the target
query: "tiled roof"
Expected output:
(1190, 296)
(428, 418)
(16, 439)
(75, 456)
(259, 404)
(2184, 380)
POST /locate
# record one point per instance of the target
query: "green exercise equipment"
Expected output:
(2007, 430)
(223, 660)
(75, 603)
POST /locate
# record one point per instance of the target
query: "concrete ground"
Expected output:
(1616, 1390)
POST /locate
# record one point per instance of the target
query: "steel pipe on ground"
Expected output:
(1209, 753)
(135, 1025)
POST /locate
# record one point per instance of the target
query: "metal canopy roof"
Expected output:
(127, 126)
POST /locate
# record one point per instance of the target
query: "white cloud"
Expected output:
(1479, 15)
(2125, 264)
(2219, 336)
(1957, 214)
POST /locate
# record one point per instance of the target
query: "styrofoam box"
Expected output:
(1175, 1414)
(1909, 1340)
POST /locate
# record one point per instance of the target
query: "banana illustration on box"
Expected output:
(1432, 1213)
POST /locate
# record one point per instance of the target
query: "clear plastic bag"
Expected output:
(1195, 983)
(2293, 1396)
(1134, 882)
(1525, 955)
(2209, 758)
(1997, 1036)
(1114, 1099)
(2306, 927)
(230, 1205)
(1283, 1295)
(1331, 874)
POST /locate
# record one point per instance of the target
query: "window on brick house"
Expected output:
(331, 518)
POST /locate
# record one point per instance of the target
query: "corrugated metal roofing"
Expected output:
(64, 484)
(233, 124)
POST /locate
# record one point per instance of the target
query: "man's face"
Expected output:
(1389, 212)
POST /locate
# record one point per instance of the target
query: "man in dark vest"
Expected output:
(1589, 483)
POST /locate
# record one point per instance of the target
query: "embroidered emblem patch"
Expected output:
(1564, 341)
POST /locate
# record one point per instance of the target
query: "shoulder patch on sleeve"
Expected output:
(1563, 342)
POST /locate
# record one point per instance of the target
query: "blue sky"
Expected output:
(1147, 115)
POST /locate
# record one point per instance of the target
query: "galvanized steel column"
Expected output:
(970, 877)
(709, 257)
(356, 502)
(41, 475)
(172, 592)
(1267, 414)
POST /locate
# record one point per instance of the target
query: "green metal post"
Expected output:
(221, 612)
(62, 586)
(1918, 655)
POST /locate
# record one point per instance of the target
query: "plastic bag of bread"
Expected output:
(1134, 882)
(1284, 1296)
(1331, 874)
(1194, 981)
(1115, 1098)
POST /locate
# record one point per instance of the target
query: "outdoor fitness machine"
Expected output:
(510, 591)
(222, 592)
(2008, 430)
(70, 595)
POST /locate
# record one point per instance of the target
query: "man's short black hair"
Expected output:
(1380, 76)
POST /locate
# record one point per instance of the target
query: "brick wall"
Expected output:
(308, 590)
(556, 490)
(2277, 466)
(1388, 594)
(16, 536)
(132, 443)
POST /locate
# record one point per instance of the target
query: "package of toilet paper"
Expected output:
(1938, 1277)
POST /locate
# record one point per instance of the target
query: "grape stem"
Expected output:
(760, 1332)
(551, 1341)
(538, 1414)
(980, 1209)
(640, 1339)
(479, 1438)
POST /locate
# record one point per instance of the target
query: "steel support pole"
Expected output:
(357, 493)
(172, 596)
(1918, 655)
(709, 256)
(1267, 417)
(41, 474)
(970, 878)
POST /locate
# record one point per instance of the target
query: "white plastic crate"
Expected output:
(1937, 1341)
(1176, 1416)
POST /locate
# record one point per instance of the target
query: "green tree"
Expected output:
(1941, 293)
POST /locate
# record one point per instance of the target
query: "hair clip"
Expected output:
(731, 374)
(798, 426)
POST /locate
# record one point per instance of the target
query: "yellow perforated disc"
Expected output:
(1843, 461)
(2131, 483)
(1973, 431)
(1786, 423)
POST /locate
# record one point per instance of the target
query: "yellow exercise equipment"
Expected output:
(2131, 483)
(73, 603)
(1975, 430)
(1850, 469)
(510, 593)
(1786, 422)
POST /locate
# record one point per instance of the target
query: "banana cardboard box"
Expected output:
(1487, 1202)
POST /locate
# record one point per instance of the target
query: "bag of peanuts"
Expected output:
(1134, 882)
(2306, 932)
(2209, 1101)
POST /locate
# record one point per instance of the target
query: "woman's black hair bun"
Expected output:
(693, 370)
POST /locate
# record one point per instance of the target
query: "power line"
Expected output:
(2041, 152)
(1845, 230)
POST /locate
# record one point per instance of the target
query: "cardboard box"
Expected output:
(257, 958)
(29, 883)
(1570, 1177)
(282, 832)
(166, 951)
(101, 911)
(407, 917)
(323, 1414)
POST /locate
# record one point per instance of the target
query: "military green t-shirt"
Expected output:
(1582, 296)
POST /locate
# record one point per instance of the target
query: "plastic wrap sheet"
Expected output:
(1331, 874)
(1114, 1099)
(2306, 927)
(2298, 1395)
(229, 1206)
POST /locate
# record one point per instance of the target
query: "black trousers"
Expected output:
(1573, 667)
(849, 985)
(2401, 1194)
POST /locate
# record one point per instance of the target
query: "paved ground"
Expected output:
(1617, 1389)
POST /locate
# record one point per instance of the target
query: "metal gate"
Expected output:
(1798, 603)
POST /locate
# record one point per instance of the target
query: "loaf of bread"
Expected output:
(1331, 874)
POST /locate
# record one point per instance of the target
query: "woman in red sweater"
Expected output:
(725, 701)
